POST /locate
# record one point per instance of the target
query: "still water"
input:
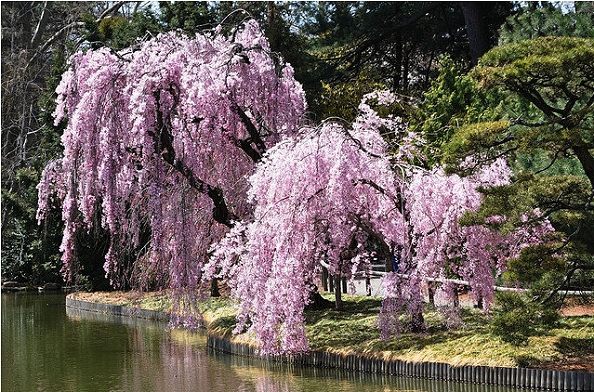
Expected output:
(47, 348)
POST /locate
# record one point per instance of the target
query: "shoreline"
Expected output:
(518, 377)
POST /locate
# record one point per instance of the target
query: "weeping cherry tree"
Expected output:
(341, 196)
(159, 142)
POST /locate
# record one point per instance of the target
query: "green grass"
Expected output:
(354, 330)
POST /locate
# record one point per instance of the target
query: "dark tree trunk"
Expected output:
(214, 288)
(325, 279)
(431, 292)
(337, 293)
(344, 286)
(398, 61)
(405, 67)
(587, 161)
(480, 303)
(456, 299)
(476, 28)
(273, 30)
(418, 322)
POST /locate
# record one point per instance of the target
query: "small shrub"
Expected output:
(516, 318)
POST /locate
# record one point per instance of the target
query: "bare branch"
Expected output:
(114, 8)
(40, 28)
(72, 25)
(255, 136)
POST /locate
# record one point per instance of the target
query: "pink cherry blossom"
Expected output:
(160, 141)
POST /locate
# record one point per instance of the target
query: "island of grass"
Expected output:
(353, 330)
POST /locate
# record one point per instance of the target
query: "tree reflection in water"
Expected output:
(155, 358)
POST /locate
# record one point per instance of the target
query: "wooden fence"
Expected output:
(526, 378)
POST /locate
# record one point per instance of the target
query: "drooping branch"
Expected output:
(246, 146)
(255, 137)
(396, 198)
(164, 147)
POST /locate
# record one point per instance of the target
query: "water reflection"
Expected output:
(282, 377)
(48, 348)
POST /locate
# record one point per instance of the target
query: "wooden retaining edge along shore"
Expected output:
(117, 310)
(517, 377)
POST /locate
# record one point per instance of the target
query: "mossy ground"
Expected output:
(354, 330)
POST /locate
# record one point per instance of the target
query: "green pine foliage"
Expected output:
(517, 318)
(549, 21)
(453, 99)
(546, 129)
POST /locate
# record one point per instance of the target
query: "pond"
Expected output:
(47, 348)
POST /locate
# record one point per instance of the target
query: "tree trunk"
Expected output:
(325, 279)
(214, 288)
(480, 303)
(344, 286)
(587, 161)
(405, 68)
(272, 31)
(476, 29)
(317, 302)
(398, 61)
(431, 293)
(418, 322)
(337, 293)
(456, 299)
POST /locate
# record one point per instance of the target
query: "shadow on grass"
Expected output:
(360, 307)
(575, 346)
(223, 325)
(355, 328)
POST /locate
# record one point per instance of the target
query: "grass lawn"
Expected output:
(354, 330)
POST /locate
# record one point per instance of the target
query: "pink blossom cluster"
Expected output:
(438, 248)
(326, 194)
(445, 248)
(156, 133)
(51, 188)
